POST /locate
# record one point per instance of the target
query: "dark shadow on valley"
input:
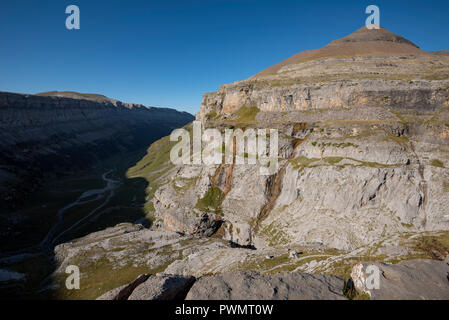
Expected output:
(126, 205)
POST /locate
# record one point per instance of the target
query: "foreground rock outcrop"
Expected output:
(148, 287)
(409, 280)
(131, 255)
(236, 286)
(252, 285)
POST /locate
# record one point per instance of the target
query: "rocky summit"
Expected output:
(363, 127)
(56, 132)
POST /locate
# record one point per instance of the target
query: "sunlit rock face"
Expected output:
(365, 69)
(372, 113)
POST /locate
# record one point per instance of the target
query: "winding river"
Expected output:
(56, 232)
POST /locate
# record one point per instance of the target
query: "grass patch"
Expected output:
(399, 140)
(341, 145)
(212, 115)
(187, 183)
(247, 114)
(265, 264)
(274, 235)
(437, 76)
(352, 294)
(399, 116)
(333, 160)
(437, 163)
(435, 247)
(276, 261)
(153, 167)
(407, 225)
(376, 164)
(97, 279)
(296, 264)
(211, 201)
(157, 157)
(302, 162)
(445, 186)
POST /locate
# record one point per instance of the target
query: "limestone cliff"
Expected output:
(51, 133)
(371, 115)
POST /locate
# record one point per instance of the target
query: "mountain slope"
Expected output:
(363, 42)
(48, 135)
(77, 95)
(363, 128)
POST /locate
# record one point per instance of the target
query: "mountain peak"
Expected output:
(361, 43)
(372, 35)
(76, 95)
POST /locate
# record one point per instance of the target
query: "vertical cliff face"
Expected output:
(51, 134)
(372, 113)
(361, 95)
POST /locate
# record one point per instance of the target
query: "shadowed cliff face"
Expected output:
(44, 136)
(63, 163)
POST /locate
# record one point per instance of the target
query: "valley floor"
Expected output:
(64, 209)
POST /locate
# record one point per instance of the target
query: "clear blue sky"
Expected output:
(168, 53)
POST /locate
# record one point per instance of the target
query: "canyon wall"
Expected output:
(47, 135)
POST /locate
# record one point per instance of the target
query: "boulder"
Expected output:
(408, 280)
(251, 285)
(123, 292)
(165, 287)
(149, 287)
